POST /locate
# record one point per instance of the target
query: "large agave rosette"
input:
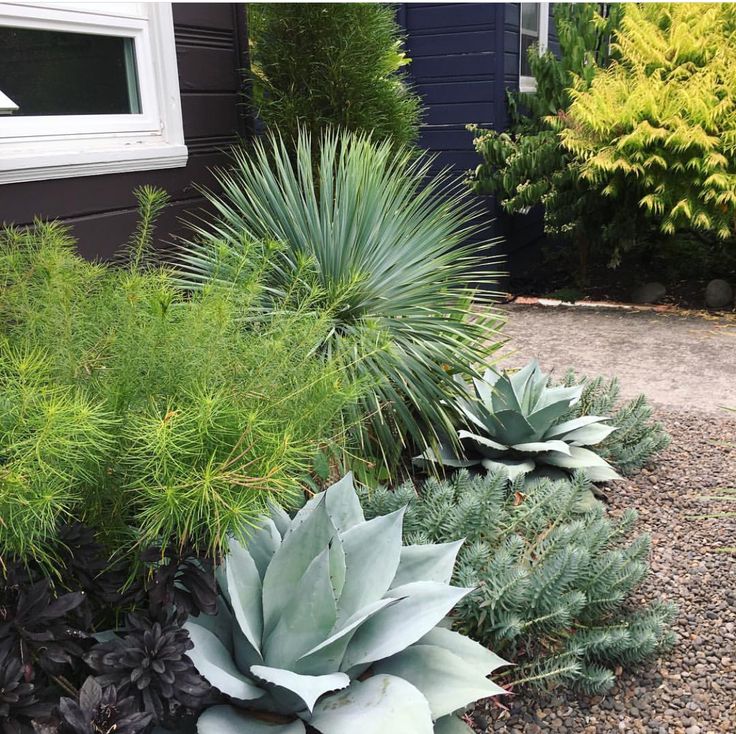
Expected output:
(328, 620)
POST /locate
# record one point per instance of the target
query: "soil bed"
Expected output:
(692, 689)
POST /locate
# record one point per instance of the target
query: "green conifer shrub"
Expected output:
(319, 65)
(153, 415)
(553, 583)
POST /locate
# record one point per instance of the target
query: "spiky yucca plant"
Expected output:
(661, 120)
(553, 584)
(327, 620)
(514, 422)
(383, 245)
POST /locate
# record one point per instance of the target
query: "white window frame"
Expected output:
(61, 146)
(529, 83)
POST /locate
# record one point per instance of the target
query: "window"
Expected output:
(87, 88)
(533, 30)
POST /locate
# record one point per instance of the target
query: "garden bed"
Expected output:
(693, 688)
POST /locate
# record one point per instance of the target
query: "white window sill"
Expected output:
(88, 158)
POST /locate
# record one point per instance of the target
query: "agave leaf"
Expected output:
(299, 548)
(308, 687)
(512, 426)
(329, 653)
(343, 505)
(504, 397)
(514, 467)
(216, 665)
(306, 618)
(471, 652)
(596, 468)
(431, 562)
(451, 725)
(372, 554)
(590, 435)
(444, 679)
(244, 652)
(263, 543)
(221, 624)
(520, 383)
(379, 705)
(485, 392)
(230, 720)
(538, 447)
(559, 394)
(545, 417)
(483, 440)
(279, 517)
(560, 429)
(244, 588)
(420, 607)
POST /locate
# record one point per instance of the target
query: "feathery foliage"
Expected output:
(151, 415)
(552, 582)
(317, 65)
(379, 245)
(660, 121)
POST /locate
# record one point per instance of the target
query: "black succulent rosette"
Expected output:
(19, 702)
(36, 623)
(148, 661)
(181, 578)
(99, 710)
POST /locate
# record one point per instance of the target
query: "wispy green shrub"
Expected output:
(553, 583)
(380, 245)
(153, 415)
(319, 65)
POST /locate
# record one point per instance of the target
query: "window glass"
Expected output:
(529, 35)
(59, 73)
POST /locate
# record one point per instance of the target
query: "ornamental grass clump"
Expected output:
(153, 415)
(371, 237)
(327, 621)
(553, 583)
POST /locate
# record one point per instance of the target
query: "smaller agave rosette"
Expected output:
(515, 421)
(327, 620)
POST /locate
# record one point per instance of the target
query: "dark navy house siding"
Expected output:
(464, 58)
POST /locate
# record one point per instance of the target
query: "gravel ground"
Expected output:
(692, 689)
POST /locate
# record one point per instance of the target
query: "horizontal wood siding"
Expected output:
(211, 54)
(465, 56)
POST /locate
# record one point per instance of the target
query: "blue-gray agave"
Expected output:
(514, 421)
(328, 620)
